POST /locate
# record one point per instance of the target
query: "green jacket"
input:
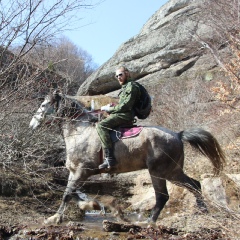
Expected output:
(128, 97)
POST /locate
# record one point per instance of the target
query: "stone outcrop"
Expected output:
(167, 47)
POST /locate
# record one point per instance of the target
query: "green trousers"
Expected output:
(106, 125)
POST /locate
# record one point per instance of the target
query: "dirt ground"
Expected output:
(23, 219)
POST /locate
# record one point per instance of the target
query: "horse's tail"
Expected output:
(206, 144)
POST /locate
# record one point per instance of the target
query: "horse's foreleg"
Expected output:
(162, 197)
(67, 196)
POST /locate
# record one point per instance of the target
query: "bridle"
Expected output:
(72, 113)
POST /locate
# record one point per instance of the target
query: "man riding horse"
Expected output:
(156, 148)
(120, 114)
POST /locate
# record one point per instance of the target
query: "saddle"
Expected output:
(125, 132)
(121, 133)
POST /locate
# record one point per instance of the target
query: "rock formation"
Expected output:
(166, 48)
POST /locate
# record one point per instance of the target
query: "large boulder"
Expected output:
(166, 47)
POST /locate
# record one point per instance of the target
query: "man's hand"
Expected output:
(105, 108)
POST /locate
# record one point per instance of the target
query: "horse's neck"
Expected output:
(79, 127)
(80, 137)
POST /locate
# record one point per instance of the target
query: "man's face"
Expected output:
(121, 76)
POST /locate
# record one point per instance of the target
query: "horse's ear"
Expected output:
(56, 92)
(56, 95)
(40, 98)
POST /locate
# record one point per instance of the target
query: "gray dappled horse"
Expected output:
(158, 149)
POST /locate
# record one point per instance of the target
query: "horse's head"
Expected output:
(49, 106)
(61, 107)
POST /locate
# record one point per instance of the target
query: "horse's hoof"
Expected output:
(152, 225)
(141, 223)
(89, 205)
(204, 210)
(201, 211)
(55, 219)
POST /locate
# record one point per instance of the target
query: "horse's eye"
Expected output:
(43, 105)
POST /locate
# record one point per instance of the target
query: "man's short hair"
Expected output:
(123, 68)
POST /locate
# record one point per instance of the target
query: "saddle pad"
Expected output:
(125, 132)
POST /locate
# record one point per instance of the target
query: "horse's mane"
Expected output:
(74, 106)
(99, 100)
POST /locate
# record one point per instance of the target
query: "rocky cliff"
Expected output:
(167, 47)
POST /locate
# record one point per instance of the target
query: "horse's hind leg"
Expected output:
(161, 195)
(193, 186)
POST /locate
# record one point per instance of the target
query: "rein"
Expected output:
(92, 116)
(83, 113)
(79, 111)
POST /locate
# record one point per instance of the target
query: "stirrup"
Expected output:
(108, 163)
(105, 164)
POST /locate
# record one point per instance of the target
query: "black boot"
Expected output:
(109, 160)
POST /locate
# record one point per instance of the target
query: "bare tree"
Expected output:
(66, 59)
(222, 17)
(28, 23)
(26, 26)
